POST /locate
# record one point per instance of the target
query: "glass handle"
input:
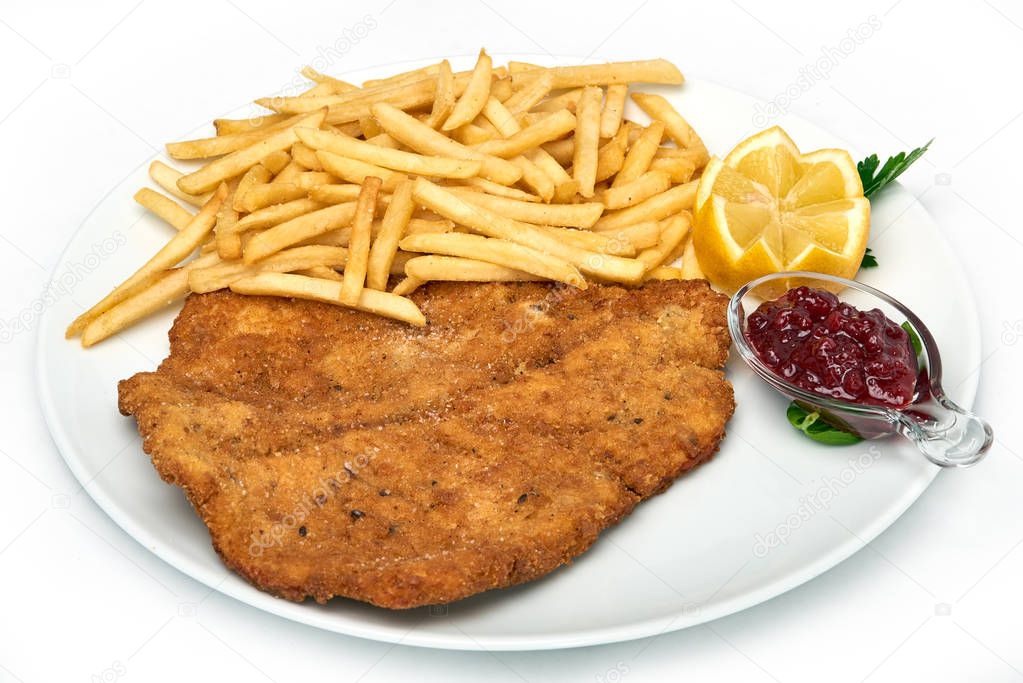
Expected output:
(945, 433)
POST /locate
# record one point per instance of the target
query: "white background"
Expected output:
(90, 93)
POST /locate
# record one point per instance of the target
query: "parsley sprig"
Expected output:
(873, 179)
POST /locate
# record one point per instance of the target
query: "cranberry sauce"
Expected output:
(822, 345)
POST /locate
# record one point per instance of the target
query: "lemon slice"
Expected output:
(767, 208)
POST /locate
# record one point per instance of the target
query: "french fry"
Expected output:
(671, 237)
(544, 180)
(517, 67)
(680, 170)
(316, 289)
(407, 162)
(475, 95)
(183, 243)
(298, 229)
(337, 85)
(384, 140)
(565, 186)
(336, 194)
(167, 178)
(221, 275)
(350, 107)
(229, 244)
(356, 171)
(307, 180)
(497, 251)
(680, 248)
(167, 288)
(322, 272)
(561, 150)
(659, 206)
(472, 135)
(665, 273)
(238, 162)
(496, 189)
(279, 213)
(640, 235)
(491, 224)
(257, 175)
(407, 286)
(381, 93)
(587, 141)
(351, 128)
(453, 268)
(614, 109)
(566, 100)
(260, 196)
(289, 173)
(501, 117)
(420, 137)
(529, 96)
(318, 90)
(405, 76)
(690, 264)
(306, 157)
(550, 128)
(416, 226)
(359, 243)
(501, 86)
(612, 243)
(571, 215)
(369, 127)
(648, 71)
(392, 228)
(692, 155)
(629, 194)
(611, 155)
(164, 207)
(444, 96)
(411, 99)
(275, 162)
(231, 126)
(222, 144)
(534, 178)
(640, 155)
(677, 128)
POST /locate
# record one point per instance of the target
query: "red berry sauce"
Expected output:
(822, 345)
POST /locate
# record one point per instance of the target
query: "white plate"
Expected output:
(699, 551)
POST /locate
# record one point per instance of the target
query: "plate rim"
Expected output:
(250, 596)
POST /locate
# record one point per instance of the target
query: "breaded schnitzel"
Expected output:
(335, 453)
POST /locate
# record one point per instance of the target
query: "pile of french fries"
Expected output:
(496, 174)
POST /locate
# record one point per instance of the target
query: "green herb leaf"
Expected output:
(914, 340)
(817, 429)
(873, 180)
(869, 260)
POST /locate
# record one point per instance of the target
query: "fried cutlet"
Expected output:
(336, 453)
